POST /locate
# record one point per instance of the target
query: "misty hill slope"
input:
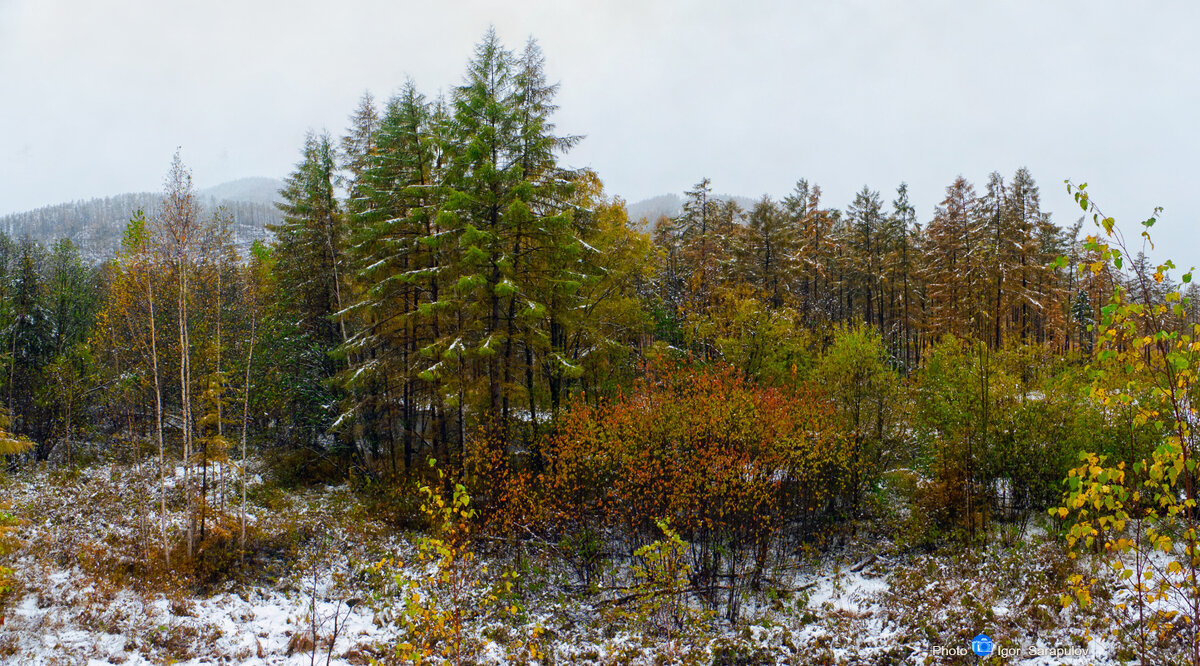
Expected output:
(253, 190)
(653, 208)
(643, 214)
(97, 225)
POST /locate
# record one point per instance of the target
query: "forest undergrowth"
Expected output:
(89, 588)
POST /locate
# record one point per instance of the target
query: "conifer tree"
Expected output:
(397, 257)
(506, 195)
(547, 249)
(951, 262)
(1029, 264)
(310, 265)
(72, 296)
(311, 239)
(997, 237)
(813, 257)
(358, 145)
(865, 220)
(671, 281)
(899, 266)
(466, 257)
(772, 245)
(30, 345)
(694, 228)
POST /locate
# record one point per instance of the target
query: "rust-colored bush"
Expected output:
(730, 464)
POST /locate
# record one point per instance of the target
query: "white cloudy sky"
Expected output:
(95, 96)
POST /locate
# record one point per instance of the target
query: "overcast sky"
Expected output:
(95, 96)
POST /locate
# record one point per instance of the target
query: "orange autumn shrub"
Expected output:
(728, 463)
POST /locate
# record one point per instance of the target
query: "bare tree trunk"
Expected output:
(12, 369)
(162, 479)
(185, 406)
(70, 399)
(220, 377)
(245, 421)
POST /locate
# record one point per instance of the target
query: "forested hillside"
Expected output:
(95, 226)
(459, 387)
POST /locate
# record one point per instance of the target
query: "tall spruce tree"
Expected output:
(311, 270)
(865, 220)
(997, 236)
(397, 256)
(506, 194)
(357, 146)
(899, 266)
(1028, 265)
(30, 342)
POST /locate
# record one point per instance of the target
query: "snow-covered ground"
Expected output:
(89, 544)
(80, 599)
(69, 621)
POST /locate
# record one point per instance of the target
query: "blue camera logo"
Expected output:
(982, 645)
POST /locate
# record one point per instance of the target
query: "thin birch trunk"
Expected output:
(162, 479)
(245, 422)
(185, 405)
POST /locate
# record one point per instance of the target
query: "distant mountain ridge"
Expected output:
(96, 225)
